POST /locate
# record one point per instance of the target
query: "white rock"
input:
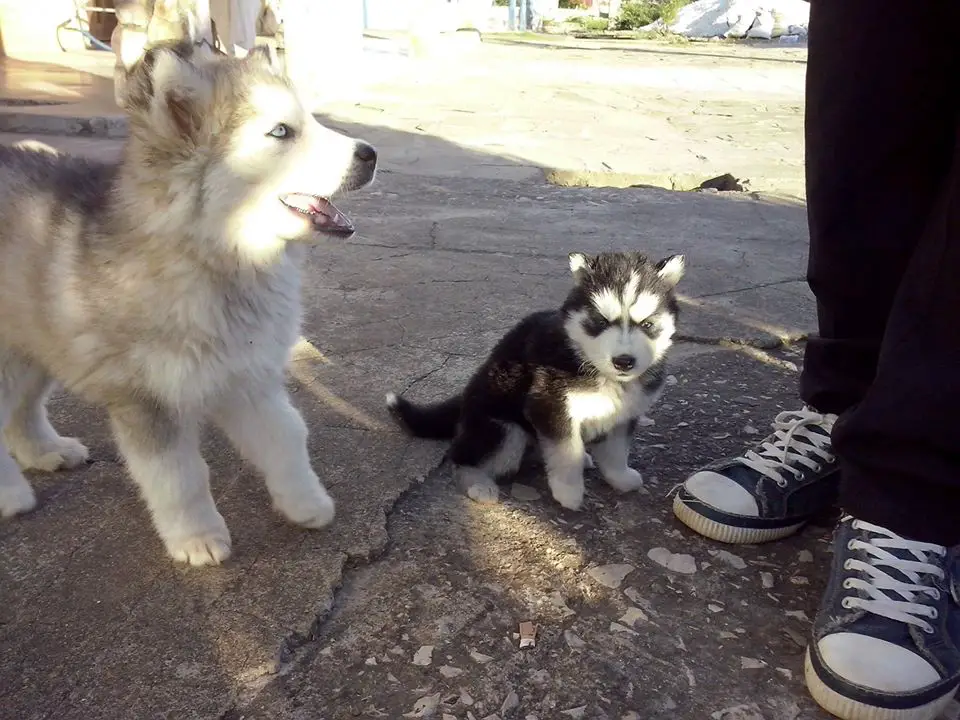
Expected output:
(617, 627)
(448, 716)
(577, 712)
(510, 702)
(610, 576)
(479, 657)
(370, 661)
(750, 430)
(524, 493)
(449, 671)
(714, 608)
(392, 678)
(637, 599)
(670, 380)
(786, 672)
(738, 712)
(632, 616)
(805, 556)
(747, 663)
(766, 579)
(425, 707)
(725, 556)
(680, 563)
(797, 615)
(423, 656)
(799, 580)
(574, 641)
(556, 599)
(725, 635)
(465, 698)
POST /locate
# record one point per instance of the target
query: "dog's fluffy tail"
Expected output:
(435, 422)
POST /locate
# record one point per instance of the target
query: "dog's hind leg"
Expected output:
(162, 451)
(270, 433)
(29, 435)
(484, 450)
(16, 495)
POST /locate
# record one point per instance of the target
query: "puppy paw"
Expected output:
(315, 511)
(569, 495)
(209, 548)
(625, 480)
(63, 453)
(16, 497)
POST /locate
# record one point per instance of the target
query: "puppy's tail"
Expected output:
(434, 422)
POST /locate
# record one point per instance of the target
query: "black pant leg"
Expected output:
(899, 448)
(880, 114)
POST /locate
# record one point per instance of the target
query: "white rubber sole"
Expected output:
(847, 709)
(728, 533)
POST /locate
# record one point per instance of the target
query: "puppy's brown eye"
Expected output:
(646, 325)
(281, 132)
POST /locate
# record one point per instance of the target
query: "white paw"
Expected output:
(569, 495)
(314, 511)
(16, 497)
(209, 548)
(485, 492)
(625, 480)
(588, 463)
(61, 454)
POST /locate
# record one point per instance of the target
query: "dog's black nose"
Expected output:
(624, 362)
(365, 153)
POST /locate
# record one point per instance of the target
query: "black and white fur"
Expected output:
(572, 378)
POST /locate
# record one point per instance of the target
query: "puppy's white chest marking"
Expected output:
(598, 411)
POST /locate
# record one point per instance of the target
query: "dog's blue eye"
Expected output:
(646, 325)
(281, 132)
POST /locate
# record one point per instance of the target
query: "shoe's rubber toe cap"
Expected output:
(876, 664)
(721, 493)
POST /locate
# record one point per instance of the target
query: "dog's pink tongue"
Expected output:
(328, 215)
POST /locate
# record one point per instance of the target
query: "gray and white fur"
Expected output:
(167, 287)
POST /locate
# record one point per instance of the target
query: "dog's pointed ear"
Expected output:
(580, 265)
(167, 90)
(671, 269)
(266, 58)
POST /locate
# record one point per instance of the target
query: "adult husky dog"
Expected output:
(166, 287)
(573, 378)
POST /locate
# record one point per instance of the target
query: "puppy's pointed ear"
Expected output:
(167, 90)
(671, 269)
(580, 265)
(266, 58)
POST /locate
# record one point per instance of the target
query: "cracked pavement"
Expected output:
(409, 604)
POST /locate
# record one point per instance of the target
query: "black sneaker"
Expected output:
(882, 647)
(769, 492)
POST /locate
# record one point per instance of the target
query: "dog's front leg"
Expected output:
(162, 451)
(268, 431)
(611, 455)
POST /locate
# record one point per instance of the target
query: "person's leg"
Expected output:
(879, 134)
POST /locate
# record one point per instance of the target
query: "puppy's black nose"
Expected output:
(623, 363)
(365, 153)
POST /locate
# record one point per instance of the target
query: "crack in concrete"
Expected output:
(760, 286)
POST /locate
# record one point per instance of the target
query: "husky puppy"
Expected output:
(167, 287)
(571, 378)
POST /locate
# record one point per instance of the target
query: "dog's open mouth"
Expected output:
(324, 215)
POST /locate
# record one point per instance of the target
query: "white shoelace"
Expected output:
(899, 600)
(793, 443)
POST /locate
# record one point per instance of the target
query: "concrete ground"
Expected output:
(410, 604)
